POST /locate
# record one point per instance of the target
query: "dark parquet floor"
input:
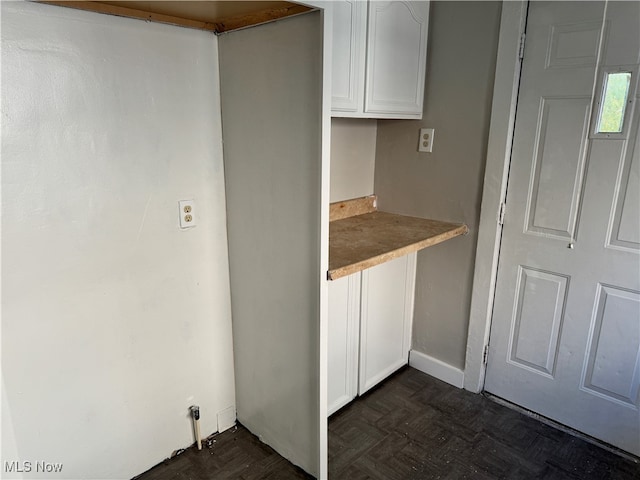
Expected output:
(235, 454)
(414, 427)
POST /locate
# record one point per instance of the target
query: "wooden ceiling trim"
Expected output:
(132, 13)
(262, 16)
(223, 25)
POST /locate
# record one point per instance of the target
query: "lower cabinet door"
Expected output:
(386, 314)
(344, 321)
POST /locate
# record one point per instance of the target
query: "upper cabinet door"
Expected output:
(379, 58)
(396, 58)
(349, 50)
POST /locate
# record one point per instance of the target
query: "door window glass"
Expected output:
(614, 102)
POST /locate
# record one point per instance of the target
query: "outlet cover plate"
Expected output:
(188, 215)
(426, 140)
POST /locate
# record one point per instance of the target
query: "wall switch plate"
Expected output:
(188, 217)
(426, 140)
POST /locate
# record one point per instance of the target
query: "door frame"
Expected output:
(502, 124)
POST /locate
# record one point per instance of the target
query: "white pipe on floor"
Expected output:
(195, 415)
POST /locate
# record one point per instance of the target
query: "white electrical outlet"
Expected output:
(188, 217)
(426, 140)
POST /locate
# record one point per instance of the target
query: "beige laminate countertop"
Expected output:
(364, 240)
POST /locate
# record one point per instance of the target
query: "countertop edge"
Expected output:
(343, 271)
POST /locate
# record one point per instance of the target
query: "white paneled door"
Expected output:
(565, 334)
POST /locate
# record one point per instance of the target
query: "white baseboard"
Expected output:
(436, 368)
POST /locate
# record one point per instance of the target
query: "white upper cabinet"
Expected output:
(379, 58)
(349, 50)
(396, 57)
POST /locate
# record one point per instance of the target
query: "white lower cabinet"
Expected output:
(344, 334)
(370, 315)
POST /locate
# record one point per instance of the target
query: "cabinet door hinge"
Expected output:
(485, 354)
(501, 212)
(521, 48)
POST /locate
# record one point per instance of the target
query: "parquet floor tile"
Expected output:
(413, 427)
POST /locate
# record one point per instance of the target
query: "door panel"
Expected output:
(574, 44)
(613, 333)
(537, 319)
(558, 158)
(624, 232)
(565, 334)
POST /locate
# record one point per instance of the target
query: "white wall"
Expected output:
(353, 157)
(446, 184)
(114, 321)
(271, 84)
